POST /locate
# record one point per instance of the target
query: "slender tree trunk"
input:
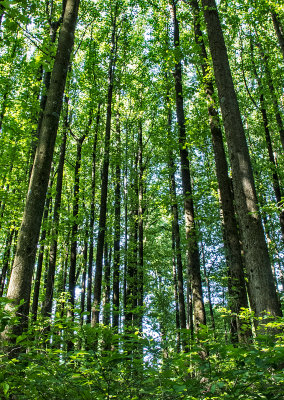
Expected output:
(125, 183)
(262, 289)
(273, 95)
(44, 233)
(20, 282)
(275, 177)
(7, 88)
(131, 273)
(104, 186)
(233, 251)
(84, 275)
(117, 215)
(193, 260)
(140, 266)
(176, 232)
(176, 291)
(106, 301)
(279, 31)
(208, 288)
(6, 259)
(74, 234)
(47, 306)
(92, 219)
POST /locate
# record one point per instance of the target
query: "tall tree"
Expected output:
(233, 251)
(105, 172)
(262, 289)
(117, 221)
(20, 282)
(193, 261)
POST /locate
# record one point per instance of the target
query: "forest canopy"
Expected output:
(141, 199)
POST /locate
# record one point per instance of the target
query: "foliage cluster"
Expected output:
(46, 370)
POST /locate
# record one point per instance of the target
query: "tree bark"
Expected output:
(233, 251)
(20, 282)
(261, 285)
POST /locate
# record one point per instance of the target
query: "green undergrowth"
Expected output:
(105, 365)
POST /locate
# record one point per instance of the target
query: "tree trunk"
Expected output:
(6, 259)
(104, 185)
(106, 301)
(92, 219)
(140, 266)
(47, 306)
(273, 95)
(34, 309)
(132, 249)
(176, 291)
(233, 251)
(176, 232)
(279, 31)
(20, 282)
(84, 275)
(74, 231)
(193, 261)
(261, 285)
(117, 214)
(275, 178)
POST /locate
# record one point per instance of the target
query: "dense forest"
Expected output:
(141, 199)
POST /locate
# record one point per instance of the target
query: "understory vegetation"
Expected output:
(147, 367)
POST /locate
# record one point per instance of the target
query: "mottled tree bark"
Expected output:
(233, 251)
(20, 282)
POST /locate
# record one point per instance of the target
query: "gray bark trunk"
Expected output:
(20, 282)
(261, 285)
(233, 251)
